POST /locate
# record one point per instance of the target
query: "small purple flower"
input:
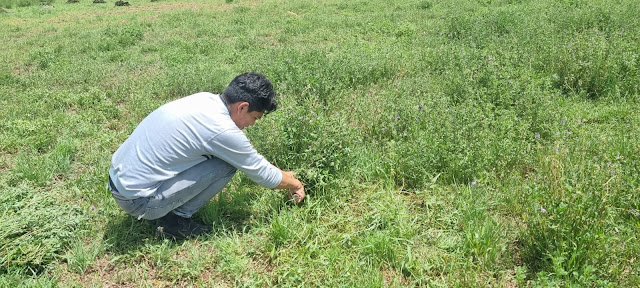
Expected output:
(537, 135)
(543, 211)
(92, 207)
(396, 117)
(555, 149)
(420, 107)
(474, 183)
(566, 133)
(562, 122)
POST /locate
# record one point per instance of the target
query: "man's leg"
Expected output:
(186, 193)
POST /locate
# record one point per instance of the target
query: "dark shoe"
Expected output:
(172, 226)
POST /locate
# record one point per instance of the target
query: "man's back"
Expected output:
(179, 135)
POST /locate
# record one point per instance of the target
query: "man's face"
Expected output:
(242, 117)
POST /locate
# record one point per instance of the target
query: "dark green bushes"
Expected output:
(311, 140)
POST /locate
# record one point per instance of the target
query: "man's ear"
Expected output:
(243, 105)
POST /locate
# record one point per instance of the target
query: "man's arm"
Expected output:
(294, 185)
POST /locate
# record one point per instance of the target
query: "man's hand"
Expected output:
(297, 194)
(296, 189)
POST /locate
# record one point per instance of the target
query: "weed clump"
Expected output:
(425, 5)
(319, 147)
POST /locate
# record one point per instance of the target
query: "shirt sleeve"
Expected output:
(233, 147)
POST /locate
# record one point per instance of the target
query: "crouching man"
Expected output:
(185, 152)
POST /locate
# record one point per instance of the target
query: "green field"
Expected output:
(443, 143)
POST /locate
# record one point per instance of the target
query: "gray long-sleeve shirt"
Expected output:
(179, 135)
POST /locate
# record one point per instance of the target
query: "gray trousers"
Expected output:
(183, 194)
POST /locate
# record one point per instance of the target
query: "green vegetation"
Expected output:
(443, 143)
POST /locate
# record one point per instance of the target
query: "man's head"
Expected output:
(249, 96)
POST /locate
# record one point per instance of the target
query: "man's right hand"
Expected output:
(297, 194)
(296, 189)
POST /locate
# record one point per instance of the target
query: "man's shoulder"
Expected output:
(231, 136)
(200, 96)
(193, 103)
(203, 94)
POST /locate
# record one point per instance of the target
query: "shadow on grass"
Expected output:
(227, 212)
(124, 233)
(241, 208)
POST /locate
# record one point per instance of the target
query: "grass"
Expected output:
(442, 143)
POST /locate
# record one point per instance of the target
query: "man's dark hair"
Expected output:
(254, 88)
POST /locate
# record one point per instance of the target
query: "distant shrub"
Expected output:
(425, 5)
